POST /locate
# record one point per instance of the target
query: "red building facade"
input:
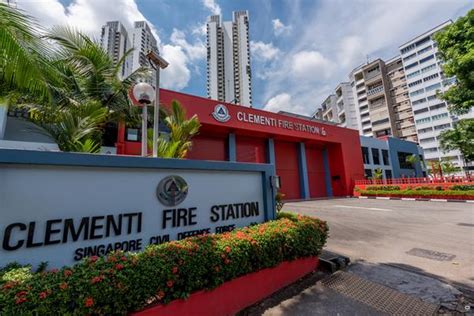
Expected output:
(312, 159)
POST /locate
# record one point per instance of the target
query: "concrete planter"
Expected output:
(235, 295)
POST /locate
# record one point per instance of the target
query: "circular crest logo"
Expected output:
(221, 113)
(172, 190)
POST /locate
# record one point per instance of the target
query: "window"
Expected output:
(414, 83)
(423, 120)
(413, 74)
(368, 173)
(424, 60)
(375, 156)
(431, 77)
(433, 86)
(428, 68)
(133, 135)
(425, 130)
(419, 101)
(385, 159)
(424, 50)
(420, 111)
(422, 41)
(411, 65)
(365, 155)
(388, 174)
(442, 126)
(409, 57)
(439, 116)
(402, 160)
(417, 92)
(438, 106)
(379, 122)
(427, 140)
(430, 150)
(431, 97)
(408, 48)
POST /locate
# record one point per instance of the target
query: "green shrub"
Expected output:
(420, 193)
(383, 188)
(123, 282)
(462, 187)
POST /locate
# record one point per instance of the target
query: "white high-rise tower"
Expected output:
(114, 39)
(228, 59)
(143, 42)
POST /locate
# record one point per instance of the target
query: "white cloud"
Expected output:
(280, 28)
(193, 51)
(177, 74)
(283, 102)
(212, 6)
(263, 51)
(310, 65)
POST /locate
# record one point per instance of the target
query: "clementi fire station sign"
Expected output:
(221, 114)
(63, 214)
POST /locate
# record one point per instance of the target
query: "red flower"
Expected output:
(93, 259)
(96, 279)
(54, 270)
(175, 270)
(21, 293)
(8, 285)
(43, 295)
(226, 261)
(160, 295)
(88, 302)
(253, 242)
(119, 266)
(63, 286)
(111, 259)
(227, 249)
(170, 283)
(123, 258)
(21, 300)
(67, 273)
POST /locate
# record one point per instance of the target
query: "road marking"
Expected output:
(439, 200)
(363, 197)
(383, 198)
(365, 208)
(470, 201)
(408, 199)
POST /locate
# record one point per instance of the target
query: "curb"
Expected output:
(411, 199)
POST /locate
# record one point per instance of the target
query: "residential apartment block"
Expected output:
(228, 59)
(143, 42)
(339, 107)
(114, 39)
(425, 79)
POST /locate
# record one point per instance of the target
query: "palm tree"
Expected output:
(378, 174)
(177, 143)
(449, 168)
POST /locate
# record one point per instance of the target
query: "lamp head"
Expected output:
(144, 93)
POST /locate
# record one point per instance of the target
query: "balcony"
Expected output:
(375, 90)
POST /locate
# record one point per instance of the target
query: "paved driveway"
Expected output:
(431, 237)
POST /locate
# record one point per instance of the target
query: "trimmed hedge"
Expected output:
(124, 282)
(462, 187)
(417, 192)
(383, 188)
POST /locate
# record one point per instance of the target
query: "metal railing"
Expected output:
(427, 180)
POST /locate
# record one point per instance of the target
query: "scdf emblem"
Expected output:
(172, 190)
(221, 113)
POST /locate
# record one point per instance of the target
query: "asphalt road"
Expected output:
(388, 231)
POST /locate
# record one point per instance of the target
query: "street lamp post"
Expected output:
(144, 94)
(157, 62)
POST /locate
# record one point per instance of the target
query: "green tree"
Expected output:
(177, 143)
(460, 137)
(449, 168)
(456, 46)
(412, 160)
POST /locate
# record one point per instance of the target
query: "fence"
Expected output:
(435, 180)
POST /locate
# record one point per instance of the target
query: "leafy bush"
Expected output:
(383, 188)
(123, 282)
(419, 193)
(462, 187)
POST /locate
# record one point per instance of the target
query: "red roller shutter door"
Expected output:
(251, 149)
(316, 174)
(208, 148)
(286, 157)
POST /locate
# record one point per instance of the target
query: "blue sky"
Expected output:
(300, 49)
